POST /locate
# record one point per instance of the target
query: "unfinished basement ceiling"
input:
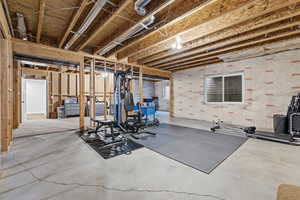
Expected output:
(207, 30)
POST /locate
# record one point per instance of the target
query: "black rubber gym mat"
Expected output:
(110, 151)
(196, 148)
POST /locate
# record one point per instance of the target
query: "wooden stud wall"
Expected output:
(6, 79)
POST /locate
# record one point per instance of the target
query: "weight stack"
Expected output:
(280, 124)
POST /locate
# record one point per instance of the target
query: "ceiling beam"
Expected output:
(252, 35)
(126, 32)
(115, 15)
(4, 27)
(194, 61)
(262, 22)
(247, 44)
(44, 51)
(199, 15)
(73, 21)
(194, 64)
(250, 11)
(40, 20)
(213, 61)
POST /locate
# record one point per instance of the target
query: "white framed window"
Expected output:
(227, 88)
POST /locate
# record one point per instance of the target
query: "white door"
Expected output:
(35, 99)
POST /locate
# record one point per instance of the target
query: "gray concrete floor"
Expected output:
(47, 161)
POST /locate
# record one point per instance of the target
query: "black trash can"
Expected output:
(280, 124)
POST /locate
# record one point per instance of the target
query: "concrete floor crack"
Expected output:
(104, 187)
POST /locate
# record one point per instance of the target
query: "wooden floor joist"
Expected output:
(295, 33)
(123, 33)
(97, 31)
(206, 11)
(181, 59)
(247, 12)
(41, 16)
(229, 32)
(72, 23)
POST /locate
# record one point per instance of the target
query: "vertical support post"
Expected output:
(16, 93)
(81, 94)
(6, 110)
(171, 100)
(105, 90)
(59, 89)
(141, 100)
(132, 82)
(92, 92)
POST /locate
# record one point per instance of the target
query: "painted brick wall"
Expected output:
(148, 89)
(163, 102)
(270, 81)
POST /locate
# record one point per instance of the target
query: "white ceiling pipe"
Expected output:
(87, 22)
(145, 24)
(140, 5)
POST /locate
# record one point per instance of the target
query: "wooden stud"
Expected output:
(40, 20)
(81, 95)
(171, 101)
(105, 90)
(92, 92)
(40, 50)
(141, 99)
(17, 94)
(6, 96)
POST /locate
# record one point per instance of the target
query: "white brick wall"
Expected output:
(270, 81)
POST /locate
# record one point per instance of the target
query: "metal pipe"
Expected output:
(145, 24)
(140, 5)
(87, 22)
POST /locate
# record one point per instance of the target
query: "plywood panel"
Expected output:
(64, 84)
(98, 85)
(72, 84)
(86, 84)
(55, 82)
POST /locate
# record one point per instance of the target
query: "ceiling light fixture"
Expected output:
(177, 44)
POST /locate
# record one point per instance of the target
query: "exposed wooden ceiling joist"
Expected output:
(237, 16)
(40, 20)
(73, 22)
(4, 23)
(247, 36)
(115, 15)
(220, 36)
(122, 33)
(209, 62)
(247, 44)
(199, 15)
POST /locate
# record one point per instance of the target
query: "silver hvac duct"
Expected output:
(145, 24)
(87, 22)
(140, 5)
(21, 27)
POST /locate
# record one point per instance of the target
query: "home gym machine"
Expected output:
(130, 117)
(286, 127)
